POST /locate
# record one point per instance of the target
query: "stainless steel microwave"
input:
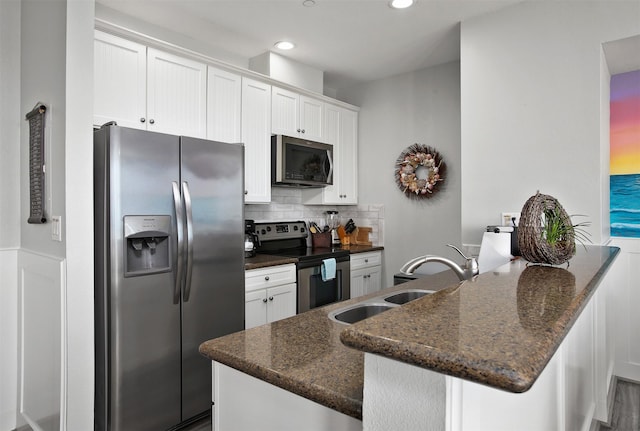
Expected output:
(300, 163)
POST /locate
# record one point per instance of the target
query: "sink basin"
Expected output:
(406, 296)
(358, 312)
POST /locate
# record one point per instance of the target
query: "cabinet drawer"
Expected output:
(365, 260)
(268, 277)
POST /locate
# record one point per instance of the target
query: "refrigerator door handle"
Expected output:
(177, 203)
(186, 195)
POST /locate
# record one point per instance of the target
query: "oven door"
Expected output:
(313, 292)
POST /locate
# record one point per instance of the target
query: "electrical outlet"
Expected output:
(56, 228)
(507, 218)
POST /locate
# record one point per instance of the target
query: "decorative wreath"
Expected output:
(419, 183)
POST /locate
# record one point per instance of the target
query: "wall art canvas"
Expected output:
(625, 155)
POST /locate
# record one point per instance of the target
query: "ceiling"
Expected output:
(350, 40)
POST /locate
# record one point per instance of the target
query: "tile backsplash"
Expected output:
(286, 205)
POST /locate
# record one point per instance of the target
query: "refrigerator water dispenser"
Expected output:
(147, 245)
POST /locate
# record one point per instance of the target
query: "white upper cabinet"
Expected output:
(176, 95)
(256, 136)
(120, 81)
(145, 88)
(297, 115)
(224, 101)
(341, 131)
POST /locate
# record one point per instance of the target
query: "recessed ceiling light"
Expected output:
(309, 3)
(284, 45)
(400, 4)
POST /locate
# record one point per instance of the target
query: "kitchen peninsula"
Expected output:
(451, 359)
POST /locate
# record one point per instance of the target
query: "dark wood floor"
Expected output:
(626, 408)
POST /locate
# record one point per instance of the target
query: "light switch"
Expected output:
(56, 228)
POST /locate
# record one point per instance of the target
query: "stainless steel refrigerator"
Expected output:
(169, 247)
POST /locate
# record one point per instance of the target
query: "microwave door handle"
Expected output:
(330, 174)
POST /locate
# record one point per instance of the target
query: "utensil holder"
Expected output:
(321, 240)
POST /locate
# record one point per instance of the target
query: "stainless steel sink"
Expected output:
(406, 296)
(371, 307)
(358, 312)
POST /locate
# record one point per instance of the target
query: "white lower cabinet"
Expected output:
(366, 273)
(243, 402)
(270, 294)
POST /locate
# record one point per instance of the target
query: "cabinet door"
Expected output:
(330, 194)
(341, 131)
(223, 106)
(119, 86)
(348, 164)
(358, 282)
(311, 119)
(285, 111)
(255, 308)
(177, 91)
(281, 302)
(256, 135)
(372, 280)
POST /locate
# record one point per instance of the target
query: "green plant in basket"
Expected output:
(546, 233)
(556, 230)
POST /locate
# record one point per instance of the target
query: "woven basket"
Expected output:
(533, 246)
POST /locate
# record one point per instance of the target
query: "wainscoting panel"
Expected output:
(8, 338)
(627, 276)
(41, 298)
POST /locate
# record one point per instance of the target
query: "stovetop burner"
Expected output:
(290, 239)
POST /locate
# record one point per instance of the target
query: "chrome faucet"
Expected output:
(467, 272)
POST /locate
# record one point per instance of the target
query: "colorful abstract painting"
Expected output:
(625, 155)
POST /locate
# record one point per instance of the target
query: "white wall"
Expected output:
(43, 80)
(531, 106)
(78, 177)
(47, 55)
(420, 107)
(10, 122)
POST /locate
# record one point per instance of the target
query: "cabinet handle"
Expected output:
(152, 121)
(266, 278)
(264, 300)
(246, 192)
(298, 130)
(271, 298)
(366, 261)
(142, 119)
(302, 130)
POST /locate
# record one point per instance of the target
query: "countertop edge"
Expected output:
(490, 373)
(331, 399)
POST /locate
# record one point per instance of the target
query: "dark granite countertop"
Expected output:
(303, 354)
(361, 248)
(266, 260)
(499, 329)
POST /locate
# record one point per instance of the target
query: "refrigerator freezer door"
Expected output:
(213, 305)
(138, 378)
